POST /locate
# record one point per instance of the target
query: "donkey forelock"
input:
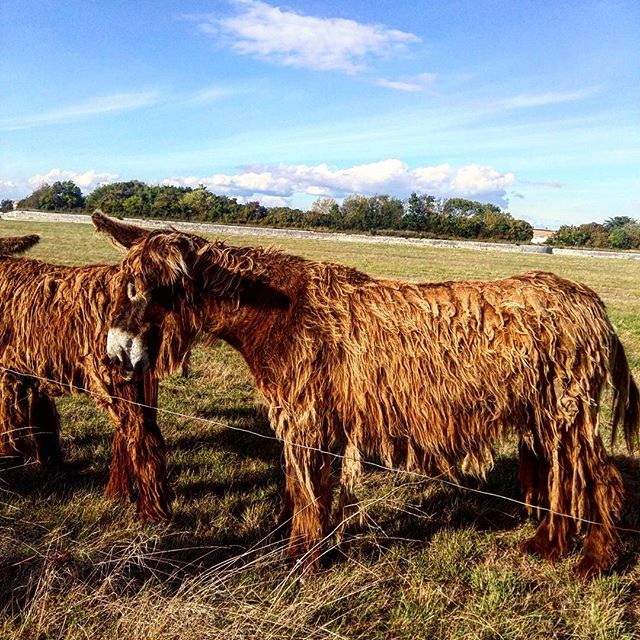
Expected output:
(163, 258)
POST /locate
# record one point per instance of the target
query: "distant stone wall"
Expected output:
(594, 253)
(204, 227)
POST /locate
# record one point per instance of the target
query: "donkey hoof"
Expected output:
(590, 566)
(540, 548)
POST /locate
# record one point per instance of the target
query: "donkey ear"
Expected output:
(126, 235)
(11, 246)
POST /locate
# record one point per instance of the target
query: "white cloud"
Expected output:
(399, 85)
(436, 178)
(390, 176)
(416, 83)
(267, 201)
(550, 184)
(527, 100)
(87, 181)
(116, 103)
(292, 39)
(274, 185)
(477, 179)
(211, 94)
(96, 106)
(9, 189)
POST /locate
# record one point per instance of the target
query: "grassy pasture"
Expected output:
(433, 561)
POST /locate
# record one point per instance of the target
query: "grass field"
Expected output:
(432, 562)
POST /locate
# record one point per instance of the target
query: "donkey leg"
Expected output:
(546, 480)
(601, 542)
(584, 492)
(533, 473)
(547, 542)
(145, 451)
(349, 511)
(15, 434)
(308, 486)
(120, 484)
(44, 421)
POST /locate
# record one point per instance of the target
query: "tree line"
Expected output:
(418, 215)
(620, 232)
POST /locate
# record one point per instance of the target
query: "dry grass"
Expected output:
(432, 562)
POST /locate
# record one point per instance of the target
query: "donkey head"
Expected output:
(154, 281)
(204, 285)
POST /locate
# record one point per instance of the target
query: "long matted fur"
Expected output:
(418, 375)
(53, 325)
(12, 246)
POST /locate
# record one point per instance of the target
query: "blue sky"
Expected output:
(532, 105)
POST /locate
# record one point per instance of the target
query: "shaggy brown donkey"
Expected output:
(419, 375)
(53, 327)
(38, 411)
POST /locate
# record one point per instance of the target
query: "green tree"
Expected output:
(617, 221)
(254, 212)
(571, 236)
(633, 231)
(6, 205)
(619, 238)
(598, 236)
(223, 208)
(495, 224)
(456, 217)
(390, 212)
(60, 195)
(464, 218)
(110, 197)
(420, 213)
(520, 231)
(324, 212)
(68, 195)
(166, 202)
(355, 212)
(197, 203)
(134, 206)
(285, 217)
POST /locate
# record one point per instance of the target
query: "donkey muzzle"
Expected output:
(127, 353)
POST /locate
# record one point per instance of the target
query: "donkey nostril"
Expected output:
(121, 361)
(141, 366)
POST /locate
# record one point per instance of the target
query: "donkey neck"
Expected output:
(258, 311)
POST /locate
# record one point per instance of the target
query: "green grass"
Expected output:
(432, 562)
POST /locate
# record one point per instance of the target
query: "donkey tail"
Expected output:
(626, 397)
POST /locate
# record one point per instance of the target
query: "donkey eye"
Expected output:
(131, 290)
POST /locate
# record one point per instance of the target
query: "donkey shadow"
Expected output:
(257, 441)
(630, 521)
(427, 511)
(431, 506)
(490, 505)
(87, 472)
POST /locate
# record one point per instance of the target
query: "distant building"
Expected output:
(540, 235)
